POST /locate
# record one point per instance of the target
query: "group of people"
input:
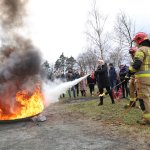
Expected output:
(80, 87)
(102, 79)
(134, 81)
(107, 77)
(137, 76)
(118, 78)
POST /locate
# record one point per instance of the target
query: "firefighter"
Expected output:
(141, 68)
(132, 87)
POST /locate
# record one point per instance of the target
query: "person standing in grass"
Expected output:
(91, 82)
(112, 75)
(70, 77)
(141, 69)
(102, 80)
(132, 86)
(122, 73)
(83, 84)
(77, 76)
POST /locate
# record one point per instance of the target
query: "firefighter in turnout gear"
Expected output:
(141, 69)
(132, 86)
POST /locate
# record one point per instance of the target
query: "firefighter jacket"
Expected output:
(142, 75)
(142, 55)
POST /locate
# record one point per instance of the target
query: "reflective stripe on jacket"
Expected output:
(143, 74)
(146, 116)
(142, 54)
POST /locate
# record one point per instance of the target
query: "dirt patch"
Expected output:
(69, 131)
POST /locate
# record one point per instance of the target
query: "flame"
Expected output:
(27, 105)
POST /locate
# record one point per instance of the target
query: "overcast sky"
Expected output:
(58, 26)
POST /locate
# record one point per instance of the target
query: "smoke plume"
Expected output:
(19, 59)
(12, 13)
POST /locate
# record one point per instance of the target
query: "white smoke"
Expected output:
(53, 90)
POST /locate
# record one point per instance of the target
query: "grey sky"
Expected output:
(58, 26)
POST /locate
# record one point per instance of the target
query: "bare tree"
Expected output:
(81, 62)
(117, 57)
(95, 33)
(125, 29)
(91, 59)
(87, 61)
(117, 54)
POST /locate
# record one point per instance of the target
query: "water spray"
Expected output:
(52, 93)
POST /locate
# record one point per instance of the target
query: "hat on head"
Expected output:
(100, 62)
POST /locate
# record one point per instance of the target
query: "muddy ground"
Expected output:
(69, 131)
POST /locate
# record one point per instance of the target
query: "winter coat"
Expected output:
(83, 85)
(91, 80)
(123, 71)
(112, 74)
(76, 75)
(101, 75)
(70, 76)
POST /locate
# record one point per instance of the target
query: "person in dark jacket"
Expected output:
(77, 76)
(122, 73)
(112, 75)
(102, 79)
(91, 82)
(62, 78)
(70, 77)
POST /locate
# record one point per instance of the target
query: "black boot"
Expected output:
(101, 101)
(142, 106)
(111, 96)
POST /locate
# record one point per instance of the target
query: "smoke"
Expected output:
(18, 63)
(53, 90)
(20, 60)
(18, 69)
(12, 13)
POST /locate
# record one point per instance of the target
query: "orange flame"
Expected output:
(27, 105)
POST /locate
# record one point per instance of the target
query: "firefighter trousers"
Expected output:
(143, 92)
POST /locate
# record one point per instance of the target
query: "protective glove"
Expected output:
(128, 75)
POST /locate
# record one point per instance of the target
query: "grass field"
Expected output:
(108, 113)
